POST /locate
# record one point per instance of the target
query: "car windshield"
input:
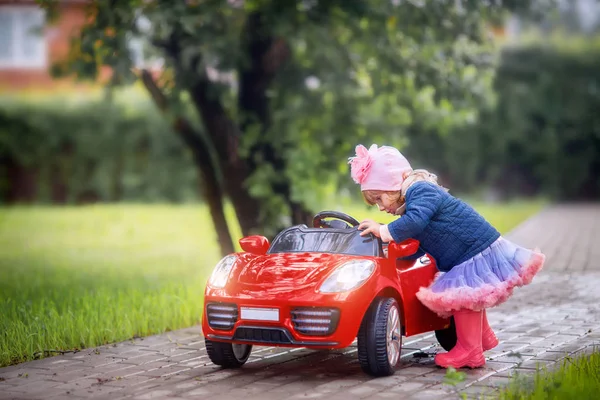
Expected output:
(341, 241)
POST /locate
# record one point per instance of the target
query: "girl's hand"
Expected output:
(369, 226)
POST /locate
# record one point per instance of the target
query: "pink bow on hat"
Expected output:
(378, 168)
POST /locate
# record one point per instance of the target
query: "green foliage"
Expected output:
(543, 134)
(386, 70)
(388, 81)
(454, 377)
(575, 378)
(78, 277)
(93, 151)
(535, 132)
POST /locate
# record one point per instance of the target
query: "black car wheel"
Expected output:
(380, 338)
(447, 337)
(228, 355)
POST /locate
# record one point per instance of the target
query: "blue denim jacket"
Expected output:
(448, 228)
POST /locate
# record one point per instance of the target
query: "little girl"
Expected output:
(478, 267)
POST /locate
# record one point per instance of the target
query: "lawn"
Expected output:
(83, 276)
(575, 378)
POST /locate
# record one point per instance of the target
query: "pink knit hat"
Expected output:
(379, 168)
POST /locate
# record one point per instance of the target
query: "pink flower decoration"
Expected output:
(360, 165)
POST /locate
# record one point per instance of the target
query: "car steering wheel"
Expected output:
(319, 223)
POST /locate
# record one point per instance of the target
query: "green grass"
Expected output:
(72, 278)
(79, 277)
(577, 378)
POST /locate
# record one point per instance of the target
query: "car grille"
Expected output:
(221, 316)
(315, 321)
(263, 335)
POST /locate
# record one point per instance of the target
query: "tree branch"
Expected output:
(211, 187)
(157, 95)
(221, 130)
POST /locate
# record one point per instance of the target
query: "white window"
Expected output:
(22, 43)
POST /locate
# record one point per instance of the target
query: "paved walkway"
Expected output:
(557, 315)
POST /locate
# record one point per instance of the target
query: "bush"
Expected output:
(539, 133)
(543, 135)
(93, 151)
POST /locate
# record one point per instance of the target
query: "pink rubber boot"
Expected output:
(468, 351)
(488, 338)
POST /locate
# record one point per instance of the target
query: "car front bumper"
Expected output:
(316, 321)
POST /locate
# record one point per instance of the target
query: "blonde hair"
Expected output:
(414, 176)
(370, 195)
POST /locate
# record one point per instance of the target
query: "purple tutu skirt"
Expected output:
(485, 280)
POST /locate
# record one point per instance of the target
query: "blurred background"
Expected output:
(139, 140)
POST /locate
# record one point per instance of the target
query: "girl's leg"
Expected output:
(468, 351)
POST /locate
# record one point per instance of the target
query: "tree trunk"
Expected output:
(267, 55)
(59, 181)
(22, 182)
(88, 195)
(59, 191)
(117, 185)
(224, 135)
(211, 189)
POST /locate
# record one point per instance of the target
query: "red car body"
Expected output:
(274, 298)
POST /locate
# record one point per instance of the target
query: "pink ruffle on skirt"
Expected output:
(485, 280)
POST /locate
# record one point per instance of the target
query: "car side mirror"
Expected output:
(255, 244)
(402, 249)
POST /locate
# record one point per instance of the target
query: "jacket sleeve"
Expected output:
(422, 202)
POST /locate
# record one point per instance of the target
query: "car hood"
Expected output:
(287, 272)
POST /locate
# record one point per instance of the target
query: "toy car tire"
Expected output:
(447, 337)
(226, 355)
(380, 338)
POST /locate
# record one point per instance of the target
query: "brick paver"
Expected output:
(556, 316)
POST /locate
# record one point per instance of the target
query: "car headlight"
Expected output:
(220, 274)
(348, 276)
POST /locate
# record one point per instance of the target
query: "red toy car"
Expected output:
(320, 288)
